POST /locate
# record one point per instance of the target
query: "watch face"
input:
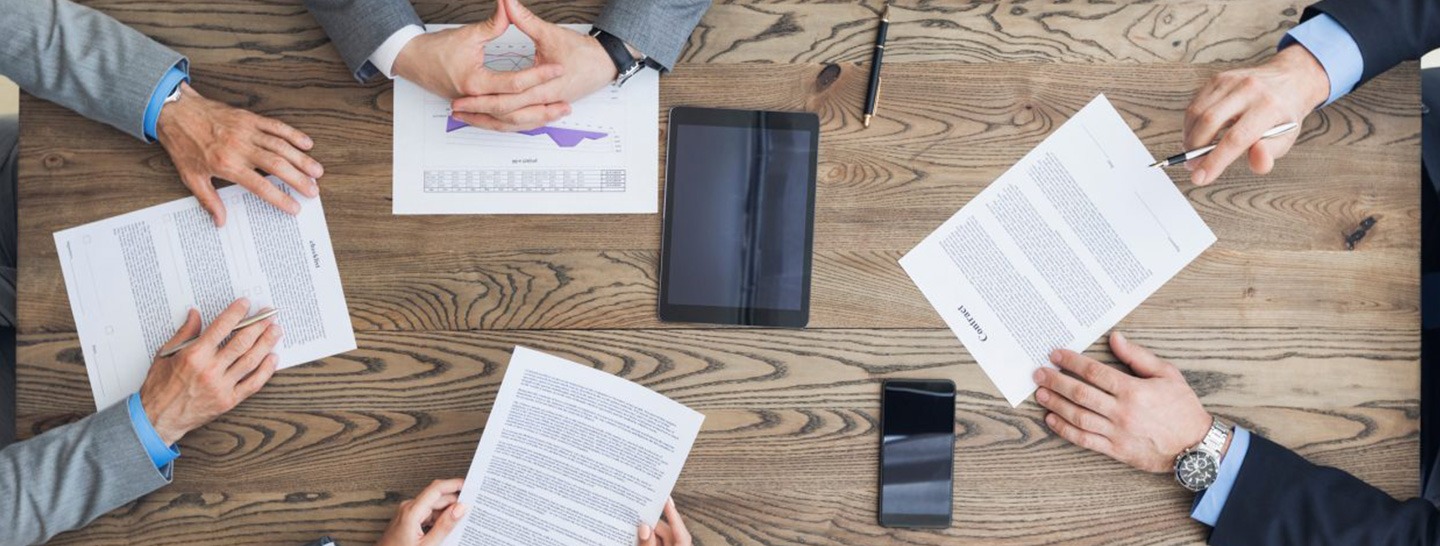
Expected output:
(1196, 470)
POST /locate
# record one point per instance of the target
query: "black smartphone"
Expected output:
(917, 452)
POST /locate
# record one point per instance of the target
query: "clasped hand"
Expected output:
(451, 63)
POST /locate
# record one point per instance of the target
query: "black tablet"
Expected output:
(739, 217)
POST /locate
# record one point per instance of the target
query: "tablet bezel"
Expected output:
(745, 316)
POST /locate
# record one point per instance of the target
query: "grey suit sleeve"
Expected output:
(658, 28)
(67, 477)
(358, 27)
(83, 60)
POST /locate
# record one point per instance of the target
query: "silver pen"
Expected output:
(241, 326)
(1201, 152)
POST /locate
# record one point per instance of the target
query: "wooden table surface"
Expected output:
(1277, 326)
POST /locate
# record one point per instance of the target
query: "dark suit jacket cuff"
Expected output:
(1382, 44)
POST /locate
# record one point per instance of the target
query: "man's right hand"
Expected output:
(1246, 103)
(186, 390)
(451, 63)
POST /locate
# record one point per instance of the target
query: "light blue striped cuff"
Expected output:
(1336, 50)
(160, 453)
(178, 73)
(1209, 503)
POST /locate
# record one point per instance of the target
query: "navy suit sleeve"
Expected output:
(1280, 498)
(1389, 32)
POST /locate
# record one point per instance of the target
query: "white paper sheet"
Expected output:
(602, 158)
(572, 455)
(132, 279)
(1058, 249)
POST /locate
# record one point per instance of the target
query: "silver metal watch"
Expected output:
(1196, 467)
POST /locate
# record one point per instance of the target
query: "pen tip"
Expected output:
(1160, 163)
(867, 120)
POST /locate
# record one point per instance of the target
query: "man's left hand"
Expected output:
(1144, 420)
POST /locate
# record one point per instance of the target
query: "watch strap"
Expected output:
(626, 65)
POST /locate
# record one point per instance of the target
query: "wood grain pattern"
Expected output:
(1277, 326)
(791, 420)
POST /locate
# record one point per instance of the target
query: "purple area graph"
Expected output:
(564, 138)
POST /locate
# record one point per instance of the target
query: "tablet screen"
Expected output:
(739, 218)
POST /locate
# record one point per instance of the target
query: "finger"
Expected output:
(252, 383)
(1088, 440)
(207, 196)
(280, 166)
(283, 130)
(189, 329)
(1075, 390)
(240, 342)
(505, 103)
(443, 525)
(1264, 153)
(1243, 134)
(261, 347)
(1072, 413)
(1106, 378)
(429, 496)
(1141, 360)
(496, 24)
(297, 158)
(521, 16)
(677, 525)
(522, 120)
(224, 323)
(645, 536)
(482, 81)
(267, 191)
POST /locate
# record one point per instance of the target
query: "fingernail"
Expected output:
(293, 208)
(245, 301)
(1039, 375)
(1055, 357)
(1189, 166)
(1042, 396)
(644, 532)
(317, 171)
(458, 512)
(279, 330)
(1050, 419)
(1120, 338)
(1198, 178)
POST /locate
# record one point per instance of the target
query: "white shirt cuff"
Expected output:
(384, 56)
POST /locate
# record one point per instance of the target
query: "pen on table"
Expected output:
(872, 96)
(1201, 152)
(241, 326)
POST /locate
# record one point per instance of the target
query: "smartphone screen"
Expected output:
(917, 453)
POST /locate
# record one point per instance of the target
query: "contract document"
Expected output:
(133, 278)
(1058, 249)
(572, 455)
(602, 158)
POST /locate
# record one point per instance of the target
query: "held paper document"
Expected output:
(572, 455)
(1058, 249)
(600, 159)
(132, 279)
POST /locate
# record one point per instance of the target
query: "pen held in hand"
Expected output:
(241, 326)
(1202, 152)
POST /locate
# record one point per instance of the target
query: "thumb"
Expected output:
(521, 16)
(498, 22)
(443, 525)
(189, 329)
(1140, 359)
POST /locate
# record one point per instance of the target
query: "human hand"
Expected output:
(668, 532)
(587, 68)
(437, 508)
(184, 391)
(208, 139)
(1144, 420)
(1251, 101)
(451, 63)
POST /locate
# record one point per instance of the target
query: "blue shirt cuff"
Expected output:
(1336, 50)
(160, 453)
(1209, 503)
(178, 73)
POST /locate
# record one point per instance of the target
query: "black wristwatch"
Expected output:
(626, 65)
